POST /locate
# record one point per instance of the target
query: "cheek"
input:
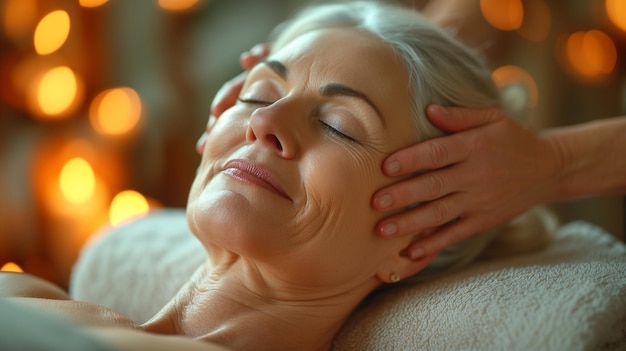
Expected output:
(338, 218)
(226, 136)
(344, 175)
(229, 131)
(339, 185)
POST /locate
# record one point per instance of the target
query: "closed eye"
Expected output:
(252, 101)
(335, 131)
(327, 127)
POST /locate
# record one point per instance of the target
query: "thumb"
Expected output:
(457, 119)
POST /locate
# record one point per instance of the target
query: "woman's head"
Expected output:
(440, 69)
(287, 173)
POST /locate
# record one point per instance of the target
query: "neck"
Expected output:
(237, 306)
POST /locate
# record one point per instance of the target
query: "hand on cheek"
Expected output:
(487, 172)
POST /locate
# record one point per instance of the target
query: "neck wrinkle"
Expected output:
(239, 308)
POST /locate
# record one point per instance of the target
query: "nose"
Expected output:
(274, 127)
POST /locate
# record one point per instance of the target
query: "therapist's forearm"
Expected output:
(594, 158)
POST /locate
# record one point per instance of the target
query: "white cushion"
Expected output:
(570, 296)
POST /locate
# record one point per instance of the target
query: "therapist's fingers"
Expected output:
(443, 151)
(446, 236)
(426, 216)
(431, 154)
(458, 119)
(258, 53)
(201, 143)
(202, 140)
(227, 96)
(422, 188)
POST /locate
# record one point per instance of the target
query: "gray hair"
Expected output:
(441, 71)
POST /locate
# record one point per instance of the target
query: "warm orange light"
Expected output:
(600, 51)
(115, 111)
(178, 5)
(575, 57)
(56, 91)
(11, 267)
(52, 32)
(92, 3)
(19, 17)
(591, 54)
(126, 205)
(77, 181)
(503, 14)
(510, 76)
(537, 20)
(616, 10)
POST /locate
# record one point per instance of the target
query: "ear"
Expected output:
(400, 264)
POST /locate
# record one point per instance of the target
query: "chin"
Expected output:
(232, 221)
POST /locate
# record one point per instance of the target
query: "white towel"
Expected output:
(570, 296)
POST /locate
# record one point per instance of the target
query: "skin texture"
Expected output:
(286, 173)
(282, 128)
(492, 169)
(489, 171)
(295, 243)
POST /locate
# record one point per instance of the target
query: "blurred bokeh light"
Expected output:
(503, 14)
(56, 93)
(115, 111)
(591, 54)
(616, 10)
(178, 5)
(11, 267)
(77, 181)
(92, 3)
(126, 205)
(51, 32)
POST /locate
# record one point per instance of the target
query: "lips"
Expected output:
(251, 173)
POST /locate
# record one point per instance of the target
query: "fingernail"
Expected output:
(200, 143)
(443, 110)
(392, 167)
(383, 201)
(389, 229)
(417, 253)
(211, 121)
(257, 50)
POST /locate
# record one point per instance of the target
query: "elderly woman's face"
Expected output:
(287, 173)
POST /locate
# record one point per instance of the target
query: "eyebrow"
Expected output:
(336, 89)
(277, 67)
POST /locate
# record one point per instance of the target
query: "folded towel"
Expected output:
(569, 296)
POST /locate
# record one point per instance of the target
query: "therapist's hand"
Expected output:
(488, 171)
(226, 97)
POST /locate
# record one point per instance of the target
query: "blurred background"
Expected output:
(102, 101)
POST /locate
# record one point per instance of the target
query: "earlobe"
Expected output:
(394, 277)
(402, 267)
